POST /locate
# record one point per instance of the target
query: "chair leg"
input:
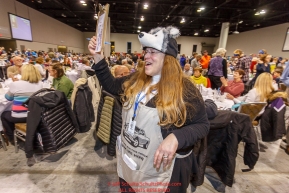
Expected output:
(3, 142)
(15, 141)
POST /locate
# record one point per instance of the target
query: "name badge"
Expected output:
(131, 127)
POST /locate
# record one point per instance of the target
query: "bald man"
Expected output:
(15, 69)
(121, 71)
(187, 69)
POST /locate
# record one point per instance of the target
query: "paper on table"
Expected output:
(100, 28)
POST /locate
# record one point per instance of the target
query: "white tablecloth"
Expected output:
(220, 100)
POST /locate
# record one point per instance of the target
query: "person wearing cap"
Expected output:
(243, 63)
(282, 62)
(163, 115)
(262, 53)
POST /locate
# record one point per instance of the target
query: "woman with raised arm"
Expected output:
(163, 116)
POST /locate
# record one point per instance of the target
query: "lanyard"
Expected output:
(137, 101)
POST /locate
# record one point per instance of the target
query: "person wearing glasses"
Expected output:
(14, 70)
(163, 115)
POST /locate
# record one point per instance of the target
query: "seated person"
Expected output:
(84, 65)
(277, 74)
(60, 81)
(187, 70)
(121, 70)
(234, 87)
(66, 62)
(39, 65)
(16, 68)
(19, 91)
(264, 85)
(198, 78)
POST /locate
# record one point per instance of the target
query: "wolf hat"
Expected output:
(161, 39)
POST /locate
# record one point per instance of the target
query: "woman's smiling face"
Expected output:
(154, 61)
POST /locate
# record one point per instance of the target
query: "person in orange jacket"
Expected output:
(205, 60)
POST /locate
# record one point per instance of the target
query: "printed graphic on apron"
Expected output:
(138, 139)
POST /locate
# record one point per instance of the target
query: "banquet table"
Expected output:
(220, 100)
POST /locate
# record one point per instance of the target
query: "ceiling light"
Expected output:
(257, 13)
(196, 33)
(145, 6)
(139, 27)
(142, 18)
(82, 2)
(262, 11)
(183, 21)
(206, 30)
(138, 31)
(199, 10)
(241, 21)
(202, 8)
(63, 15)
(79, 24)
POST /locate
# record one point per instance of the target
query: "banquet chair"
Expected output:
(19, 133)
(252, 109)
(2, 141)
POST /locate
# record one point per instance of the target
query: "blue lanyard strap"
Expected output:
(137, 101)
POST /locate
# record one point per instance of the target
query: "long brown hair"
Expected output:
(169, 100)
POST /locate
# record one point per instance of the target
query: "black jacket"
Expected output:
(83, 108)
(196, 126)
(272, 122)
(51, 115)
(226, 131)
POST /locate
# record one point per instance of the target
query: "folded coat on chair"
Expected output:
(50, 114)
(226, 131)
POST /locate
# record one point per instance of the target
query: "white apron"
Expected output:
(135, 153)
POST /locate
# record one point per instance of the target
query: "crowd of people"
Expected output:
(24, 73)
(158, 93)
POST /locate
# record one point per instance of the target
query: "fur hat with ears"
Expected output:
(161, 39)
